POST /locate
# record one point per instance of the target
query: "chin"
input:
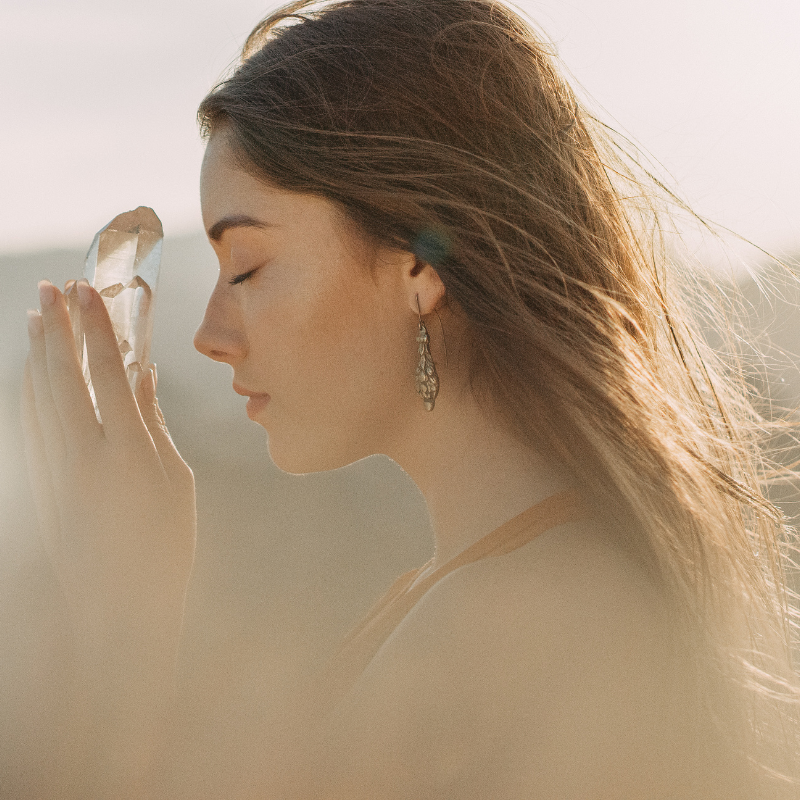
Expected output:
(296, 458)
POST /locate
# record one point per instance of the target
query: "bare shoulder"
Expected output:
(547, 670)
(573, 600)
(577, 573)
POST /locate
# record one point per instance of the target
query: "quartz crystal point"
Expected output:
(123, 265)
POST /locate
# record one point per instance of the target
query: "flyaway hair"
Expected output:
(445, 128)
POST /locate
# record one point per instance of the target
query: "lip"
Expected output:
(257, 401)
(256, 404)
(244, 392)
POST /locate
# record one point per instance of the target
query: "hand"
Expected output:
(115, 501)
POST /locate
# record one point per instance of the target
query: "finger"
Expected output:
(38, 470)
(116, 402)
(46, 413)
(67, 386)
(174, 465)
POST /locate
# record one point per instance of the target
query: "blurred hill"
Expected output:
(285, 564)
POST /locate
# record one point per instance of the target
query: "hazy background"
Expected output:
(97, 104)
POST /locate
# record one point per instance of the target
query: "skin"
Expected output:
(124, 567)
(545, 673)
(504, 676)
(512, 634)
(326, 326)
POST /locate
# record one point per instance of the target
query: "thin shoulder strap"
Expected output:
(557, 509)
(364, 641)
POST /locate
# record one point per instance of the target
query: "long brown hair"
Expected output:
(444, 127)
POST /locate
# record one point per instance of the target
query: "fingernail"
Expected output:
(34, 323)
(84, 294)
(68, 285)
(47, 293)
(155, 375)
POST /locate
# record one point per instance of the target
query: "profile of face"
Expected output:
(317, 323)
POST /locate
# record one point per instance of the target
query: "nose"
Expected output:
(220, 336)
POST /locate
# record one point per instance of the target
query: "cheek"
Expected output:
(319, 340)
(349, 349)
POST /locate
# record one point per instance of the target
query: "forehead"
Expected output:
(229, 190)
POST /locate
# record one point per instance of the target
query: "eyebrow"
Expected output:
(234, 221)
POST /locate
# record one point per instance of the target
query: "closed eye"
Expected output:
(237, 279)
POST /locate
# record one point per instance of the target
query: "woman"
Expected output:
(429, 250)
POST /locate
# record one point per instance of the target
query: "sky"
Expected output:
(98, 100)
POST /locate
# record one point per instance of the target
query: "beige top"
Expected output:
(363, 642)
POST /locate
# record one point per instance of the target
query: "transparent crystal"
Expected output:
(123, 265)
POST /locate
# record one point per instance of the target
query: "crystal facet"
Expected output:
(123, 265)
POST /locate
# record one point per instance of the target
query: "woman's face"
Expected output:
(315, 322)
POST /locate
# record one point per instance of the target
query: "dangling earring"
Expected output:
(427, 378)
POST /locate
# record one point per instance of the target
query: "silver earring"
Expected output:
(427, 378)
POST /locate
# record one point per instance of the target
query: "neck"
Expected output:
(474, 475)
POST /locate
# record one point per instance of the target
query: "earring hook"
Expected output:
(441, 327)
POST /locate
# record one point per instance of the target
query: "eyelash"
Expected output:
(237, 279)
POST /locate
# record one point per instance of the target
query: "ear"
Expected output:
(424, 288)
